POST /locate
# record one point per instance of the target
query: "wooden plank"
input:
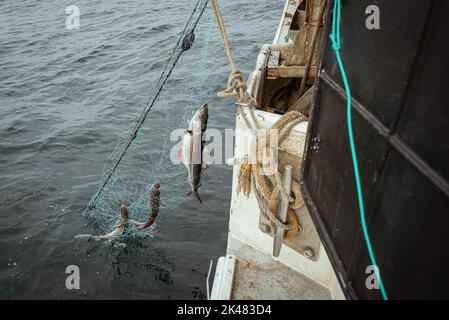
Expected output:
(290, 72)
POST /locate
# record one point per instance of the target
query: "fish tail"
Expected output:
(195, 194)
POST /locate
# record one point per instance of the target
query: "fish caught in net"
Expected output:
(145, 155)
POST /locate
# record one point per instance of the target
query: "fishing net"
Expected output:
(146, 155)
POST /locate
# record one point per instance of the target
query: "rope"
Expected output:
(236, 86)
(267, 196)
(336, 46)
(186, 41)
(224, 36)
(263, 206)
(283, 125)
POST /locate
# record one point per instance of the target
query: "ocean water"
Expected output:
(66, 98)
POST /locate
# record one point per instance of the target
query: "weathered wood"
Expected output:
(311, 49)
(273, 59)
(300, 47)
(290, 72)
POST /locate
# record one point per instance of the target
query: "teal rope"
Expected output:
(336, 46)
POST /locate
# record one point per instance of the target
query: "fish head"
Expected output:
(194, 126)
(199, 120)
(204, 113)
(123, 211)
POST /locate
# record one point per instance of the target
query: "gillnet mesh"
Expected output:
(145, 156)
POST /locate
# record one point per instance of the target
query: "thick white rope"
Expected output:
(237, 87)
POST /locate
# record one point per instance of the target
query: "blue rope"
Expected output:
(336, 46)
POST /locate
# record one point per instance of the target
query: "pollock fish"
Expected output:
(155, 203)
(119, 227)
(191, 151)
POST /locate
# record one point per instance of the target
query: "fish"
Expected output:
(192, 149)
(119, 227)
(155, 203)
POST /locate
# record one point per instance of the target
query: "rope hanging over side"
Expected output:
(267, 188)
(236, 85)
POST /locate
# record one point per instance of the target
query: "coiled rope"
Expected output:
(336, 46)
(267, 187)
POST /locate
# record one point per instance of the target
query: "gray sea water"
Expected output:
(66, 97)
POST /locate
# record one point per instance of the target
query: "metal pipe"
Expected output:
(207, 279)
(282, 211)
(255, 81)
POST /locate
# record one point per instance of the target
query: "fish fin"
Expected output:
(206, 151)
(196, 195)
(206, 143)
(204, 146)
(181, 155)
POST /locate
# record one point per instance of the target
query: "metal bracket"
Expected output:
(307, 242)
